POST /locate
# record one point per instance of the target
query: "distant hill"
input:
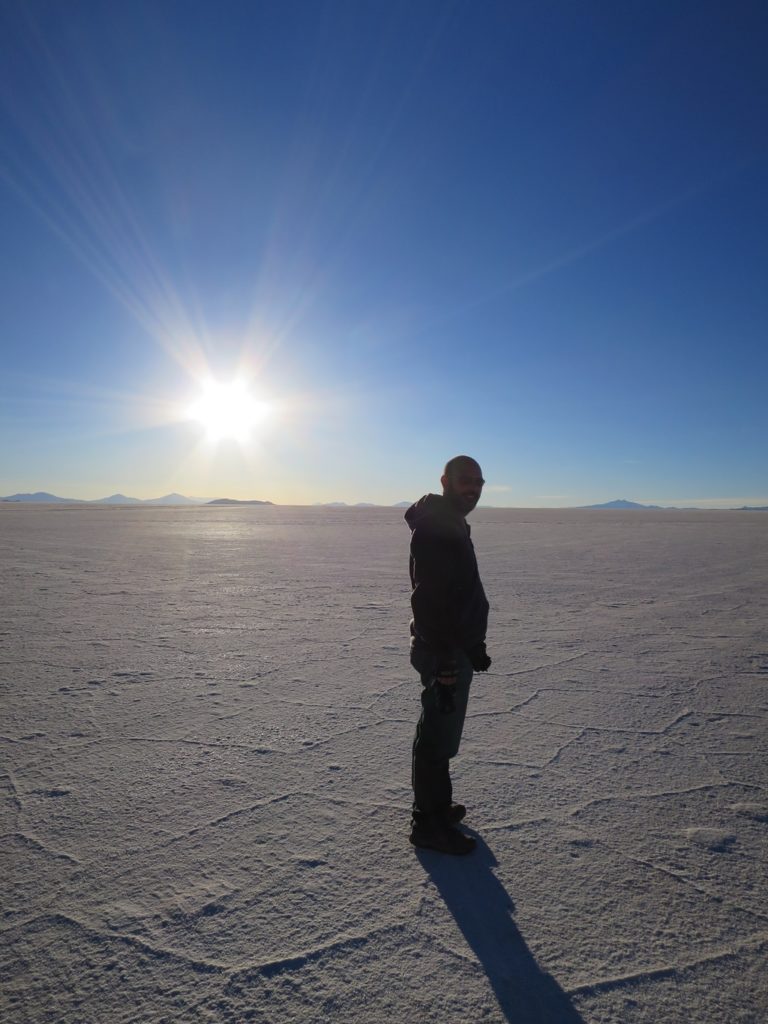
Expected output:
(237, 501)
(621, 503)
(402, 504)
(42, 497)
(171, 499)
(119, 499)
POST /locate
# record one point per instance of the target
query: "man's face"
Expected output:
(464, 486)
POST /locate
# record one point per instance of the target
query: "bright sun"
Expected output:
(228, 411)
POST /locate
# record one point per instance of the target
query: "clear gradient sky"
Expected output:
(531, 231)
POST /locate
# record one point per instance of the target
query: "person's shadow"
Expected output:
(483, 911)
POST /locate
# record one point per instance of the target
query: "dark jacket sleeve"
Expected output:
(432, 599)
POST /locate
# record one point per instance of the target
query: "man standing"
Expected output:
(450, 616)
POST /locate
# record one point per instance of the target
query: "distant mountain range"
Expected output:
(621, 503)
(44, 497)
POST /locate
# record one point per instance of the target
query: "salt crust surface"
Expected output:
(207, 716)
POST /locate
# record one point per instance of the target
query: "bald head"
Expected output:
(462, 482)
(461, 464)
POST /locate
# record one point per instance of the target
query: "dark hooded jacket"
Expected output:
(450, 609)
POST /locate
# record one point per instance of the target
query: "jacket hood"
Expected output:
(433, 507)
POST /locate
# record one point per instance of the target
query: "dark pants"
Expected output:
(437, 735)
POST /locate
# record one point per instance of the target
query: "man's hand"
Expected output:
(479, 658)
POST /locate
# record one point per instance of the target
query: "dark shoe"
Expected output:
(437, 835)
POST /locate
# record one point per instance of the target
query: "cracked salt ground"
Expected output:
(205, 784)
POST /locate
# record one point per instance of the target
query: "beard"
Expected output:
(463, 501)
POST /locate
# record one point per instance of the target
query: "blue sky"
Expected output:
(533, 232)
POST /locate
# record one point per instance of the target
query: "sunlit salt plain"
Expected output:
(206, 731)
